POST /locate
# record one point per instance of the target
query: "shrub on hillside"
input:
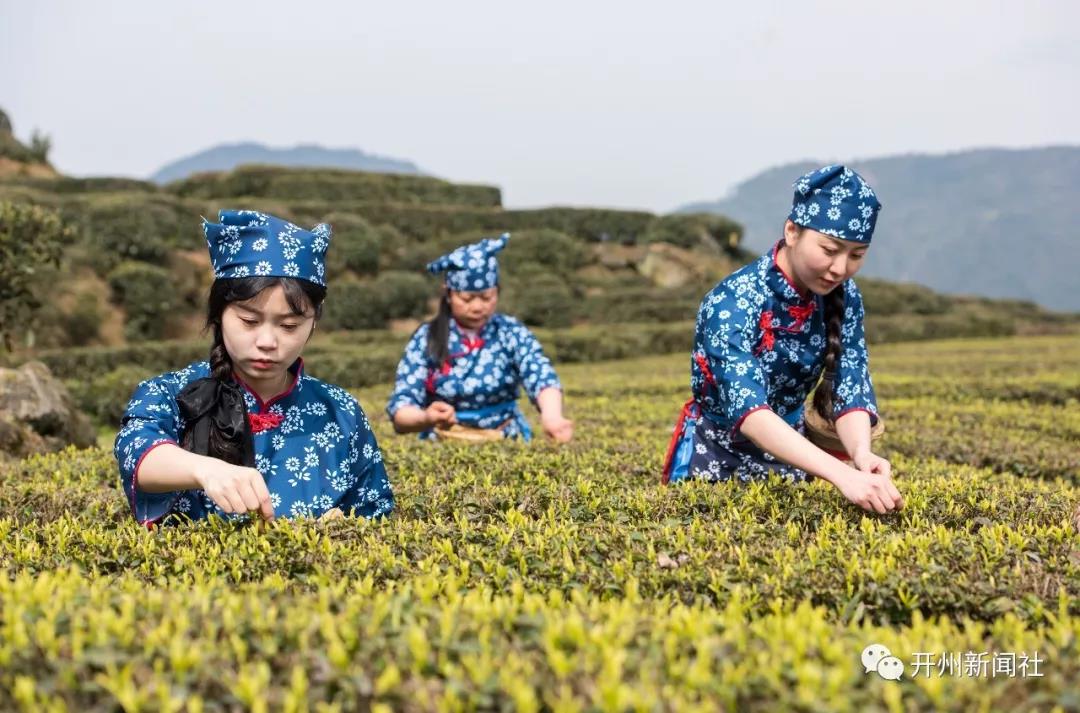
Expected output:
(74, 324)
(690, 230)
(545, 248)
(540, 299)
(145, 293)
(137, 226)
(154, 356)
(105, 396)
(70, 185)
(371, 304)
(642, 304)
(328, 184)
(425, 222)
(358, 246)
(886, 298)
(31, 240)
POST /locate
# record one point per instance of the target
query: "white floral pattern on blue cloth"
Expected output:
(836, 201)
(248, 243)
(719, 455)
(748, 375)
(322, 455)
(471, 268)
(509, 357)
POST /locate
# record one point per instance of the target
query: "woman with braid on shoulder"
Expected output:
(461, 373)
(767, 334)
(248, 431)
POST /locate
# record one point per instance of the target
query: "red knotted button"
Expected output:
(264, 421)
(768, 338)
(800, 315)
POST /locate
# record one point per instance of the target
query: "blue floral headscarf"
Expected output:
(247, 243)
(471, 268)
(836, 201)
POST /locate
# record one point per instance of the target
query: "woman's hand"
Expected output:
(440, 413)
(234, 488)
(556, 426)
(870, 490)
(559, 429)
(868, 462)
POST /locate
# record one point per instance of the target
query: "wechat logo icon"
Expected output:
(878, 658)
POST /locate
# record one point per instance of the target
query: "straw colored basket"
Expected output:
(457, 432)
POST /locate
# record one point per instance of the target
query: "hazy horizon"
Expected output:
(618, 105)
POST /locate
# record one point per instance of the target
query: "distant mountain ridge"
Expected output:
(992, 222)
(225, 157)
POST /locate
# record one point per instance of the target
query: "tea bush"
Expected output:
(537, 577)
(371, 304)
(386, 223)
(133, 226)
(147, 297)
(337, 185)
(540, 298)
(690, 230)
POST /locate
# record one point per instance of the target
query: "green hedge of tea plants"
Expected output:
(535, 577)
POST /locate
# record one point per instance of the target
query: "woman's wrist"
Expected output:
(551, 412)
(860, 451)
(193, 468)
(549, 402)
(838, 476)
(836, 472)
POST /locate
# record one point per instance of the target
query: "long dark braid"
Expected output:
(438, 341)
(834, 320)
(221, 368)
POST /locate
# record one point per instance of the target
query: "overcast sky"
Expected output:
(623, 104)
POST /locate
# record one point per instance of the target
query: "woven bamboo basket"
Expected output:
(468, 434)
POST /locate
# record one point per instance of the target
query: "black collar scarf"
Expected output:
(208, 405)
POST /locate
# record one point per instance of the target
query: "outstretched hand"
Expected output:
(235, 489)
(872, 487)
(559, 429)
